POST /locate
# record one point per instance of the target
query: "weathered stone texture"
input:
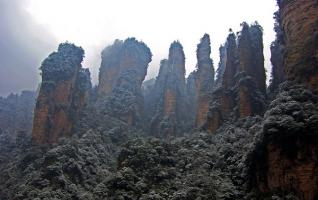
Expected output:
(61, 96)
(223, 101)
(123, 69)
(299, 22)
(251, 57)
(204, 80)
(277, 57)
(168, 114)
(286, 158)
(240, 90)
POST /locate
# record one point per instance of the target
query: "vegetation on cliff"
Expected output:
(127, 139)
(63, 94)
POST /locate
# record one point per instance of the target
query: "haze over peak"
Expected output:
(94, 24)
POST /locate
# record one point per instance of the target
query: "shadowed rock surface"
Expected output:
(123, 69)
(114, 150)
(277, 57)
(192, 98)
(251, 86)
(204, 80)
(62, 94)
(168, 112)
(285, 160)
(250, 51)
(223, 103)
(240, 89)
(286, 157)
(299, 22)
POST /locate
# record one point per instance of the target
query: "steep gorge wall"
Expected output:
(299, 22)
(277, 57)
(61, 97)
(285, 160)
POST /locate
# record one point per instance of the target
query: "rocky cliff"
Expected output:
(251, 80)
(170, 100)
(299, 22)
(204, 80)
(277, 57)
(110, 155)
(62, 94)
(251, 56)
(223, 102)
(192, 98)
(285, 160)
(123, 69)
(154, 98)
(241, 89)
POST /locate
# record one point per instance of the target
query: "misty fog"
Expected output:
(32, 29)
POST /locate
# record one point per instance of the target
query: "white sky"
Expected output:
(94, 24)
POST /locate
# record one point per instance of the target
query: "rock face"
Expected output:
(154, 98)
(278, 74)
(223, 102)
(204, 80)
(230, 60)
(16, 115)
(250, 49)
(192, 98)
(277, 57)
(221, 66)
(147, 86)
(286, 158)
(147, 91)
(63, 94)
(299, 22)
(120, 57)
(251, 84)
(123, 69)
(240, 88)
(82, 90)
(170, 100)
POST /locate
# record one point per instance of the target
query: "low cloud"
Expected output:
(23, 45)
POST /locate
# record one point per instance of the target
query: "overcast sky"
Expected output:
(31, 29)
